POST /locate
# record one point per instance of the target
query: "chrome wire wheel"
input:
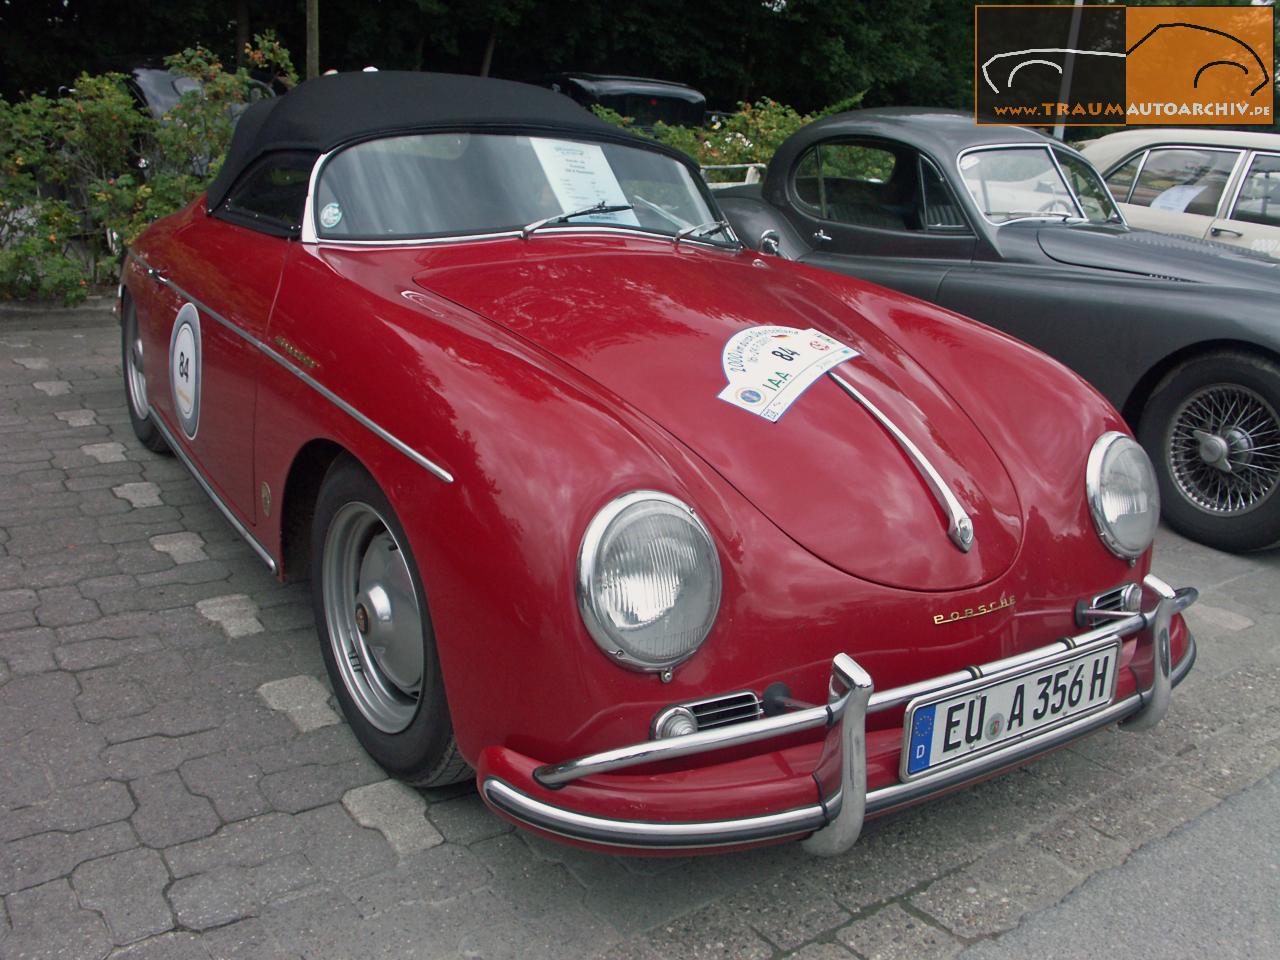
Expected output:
(134, 378)
(1223, 449)
(371, 611)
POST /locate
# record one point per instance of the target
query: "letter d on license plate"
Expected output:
(993, 712)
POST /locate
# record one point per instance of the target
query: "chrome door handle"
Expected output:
(1224, 232)
(821, 236)
(156, 275)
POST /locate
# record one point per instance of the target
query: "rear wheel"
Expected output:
(1212, 429)
(135, 381)
(375, 631)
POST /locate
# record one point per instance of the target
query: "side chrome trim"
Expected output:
(959, 526)
(386, 435)
(207, 487)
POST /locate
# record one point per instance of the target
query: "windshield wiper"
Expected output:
(600, 207)
(708, 229)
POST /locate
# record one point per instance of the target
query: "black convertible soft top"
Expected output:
(327, 112)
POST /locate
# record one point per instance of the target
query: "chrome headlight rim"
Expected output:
(588, 552)
(1098, 454)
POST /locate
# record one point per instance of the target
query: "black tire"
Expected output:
(135, 382)
(1224, 408)
(407, 731)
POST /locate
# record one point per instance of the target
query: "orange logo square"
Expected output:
(1199, 65)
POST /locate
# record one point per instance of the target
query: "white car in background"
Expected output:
(1221, 185)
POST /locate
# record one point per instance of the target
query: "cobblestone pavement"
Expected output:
(175, 781)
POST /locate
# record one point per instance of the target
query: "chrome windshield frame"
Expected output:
(309, 234)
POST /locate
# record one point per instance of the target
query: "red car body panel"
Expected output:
(549, 375)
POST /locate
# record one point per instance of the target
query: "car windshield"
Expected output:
(1017, 183)
(453, 184)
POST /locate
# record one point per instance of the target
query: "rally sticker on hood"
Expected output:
(768, 368)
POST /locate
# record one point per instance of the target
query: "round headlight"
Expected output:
(648, 580)
(1123, 496)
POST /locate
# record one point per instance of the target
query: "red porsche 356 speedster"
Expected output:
(677, 546)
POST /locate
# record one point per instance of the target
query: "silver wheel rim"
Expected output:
(135, 379)
(371, 610)
(1223, 449)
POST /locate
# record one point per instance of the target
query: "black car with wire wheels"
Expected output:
(1012, 228)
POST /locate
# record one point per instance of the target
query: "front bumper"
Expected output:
(835, 820)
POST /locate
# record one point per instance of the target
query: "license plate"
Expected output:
(988, 714)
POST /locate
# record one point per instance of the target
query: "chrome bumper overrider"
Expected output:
(835, 822)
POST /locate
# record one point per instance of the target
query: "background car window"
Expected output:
(941, 211)
(1014, 183)
(1184, 180)
(1088, 187)
(273, 193)
(1259, 200)
(860, 184)
(1121, 179)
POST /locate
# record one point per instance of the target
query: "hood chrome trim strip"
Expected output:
(959, 525)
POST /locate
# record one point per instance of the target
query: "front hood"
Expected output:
(1157, 255)
(649, 322)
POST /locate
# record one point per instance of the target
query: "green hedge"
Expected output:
(93, 165)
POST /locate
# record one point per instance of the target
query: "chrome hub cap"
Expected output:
(371, 609)
(1224, 449)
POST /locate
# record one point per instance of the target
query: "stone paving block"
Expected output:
(95, 587)
(48, 923)
(167, 946)
(244, 844)
(246, 940)
(233, 893)
(110, 693)
(821, 951)
(204, 571)
(788, 911)
(992, 894)
(15, 600)
(395, 811)
(109, 452)
(466, 820)
(185, 547)
(46, 856)
(328, 744)
(304, 699)
(70, 811)
(1074, 842)
(230, 781)
(711, 933)
(168, 813)
(32, 363)
(34, 702)
(141, 758)
(128, 890)
(77, 418)
(892, 933)
(173, 718)
(28, 650)
(63, 606)
(68, 753)
(339, 847)
(433, 876)
(236, 614)
(140, 494)
(1144, 808)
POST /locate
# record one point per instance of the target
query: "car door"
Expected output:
(1253, 221)
(1175, 189)
(880, 211)
(210, 299)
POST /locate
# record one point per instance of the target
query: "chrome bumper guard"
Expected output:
(835, 822)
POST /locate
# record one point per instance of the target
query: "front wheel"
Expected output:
(375, 632)
(1212, 430)
(135, 381)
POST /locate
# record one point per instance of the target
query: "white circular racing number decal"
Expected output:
(184, 368)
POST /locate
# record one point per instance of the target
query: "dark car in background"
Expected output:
(645, 100)
(1017, 230)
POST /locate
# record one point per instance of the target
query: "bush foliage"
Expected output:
(749, 136)
(90, 169)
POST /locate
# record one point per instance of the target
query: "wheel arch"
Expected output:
(1147, 383)
(297, 505)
